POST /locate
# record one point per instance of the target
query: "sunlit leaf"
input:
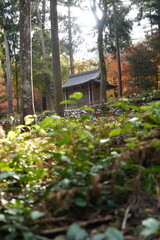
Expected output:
(29, 119)
(144, 108)
(68, 102)
(134, 119)
(76, 95)
(55, 117)
(151, 226)
(4, 166)
(11, 135)
(134, 107)
(115, 132)
(105, 140)
(88, 109)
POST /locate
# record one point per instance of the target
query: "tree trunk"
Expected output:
(8, 76)
(118, 54)
(103, 87)
(56, 59)
(43, 14)
(17, 86)
(49, 96)
(70, 42)
(44, 56)
(40, 31)
(27, 101)
(100, 28)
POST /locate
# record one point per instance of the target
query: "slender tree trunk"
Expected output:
(44, 56)
(103, 85)
(100, 28)
(27, 101)
(8, 76)
(17, 86)
(56, 59)
(118, 54)
(49, 96)
(40, 32)
(70, 42)
(43, 14)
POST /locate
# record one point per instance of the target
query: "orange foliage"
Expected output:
(112, 74)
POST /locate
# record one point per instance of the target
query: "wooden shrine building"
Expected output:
(88, 83)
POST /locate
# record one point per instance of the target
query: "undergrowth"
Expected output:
(61, 171)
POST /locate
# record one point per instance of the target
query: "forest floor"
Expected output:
(83, 178)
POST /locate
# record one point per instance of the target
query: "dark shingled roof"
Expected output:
(81, 78)
(85, 77)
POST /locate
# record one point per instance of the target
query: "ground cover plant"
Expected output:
(83, 178)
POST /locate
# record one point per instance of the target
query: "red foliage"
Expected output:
(112, 74)
(3, 95)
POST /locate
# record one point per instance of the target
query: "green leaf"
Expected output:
(64, 140)
(36, 214)
(76, 95)
(7, 174)
(105, 140)
(80, 202)
(151, 226)
(29, 119)
(144, 108)
(68, 102)
(88, 109)
(11, 135)
(98, 236)
(134, 107)
(121, 104)
(113, 234)
(4, 166)
(11, 236)
(157, 143)
(76, 233)
(115, 132)
(65, 159)
(133, 120)
(2, 218)
(148, 125)
(55, 117)
(30, 235)
(85, 117)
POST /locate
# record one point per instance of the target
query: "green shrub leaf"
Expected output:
(115, 132)
(68, 102)
(151, 226)
(76, 95)
(113, 234)
(76, 233)
(36, 214)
